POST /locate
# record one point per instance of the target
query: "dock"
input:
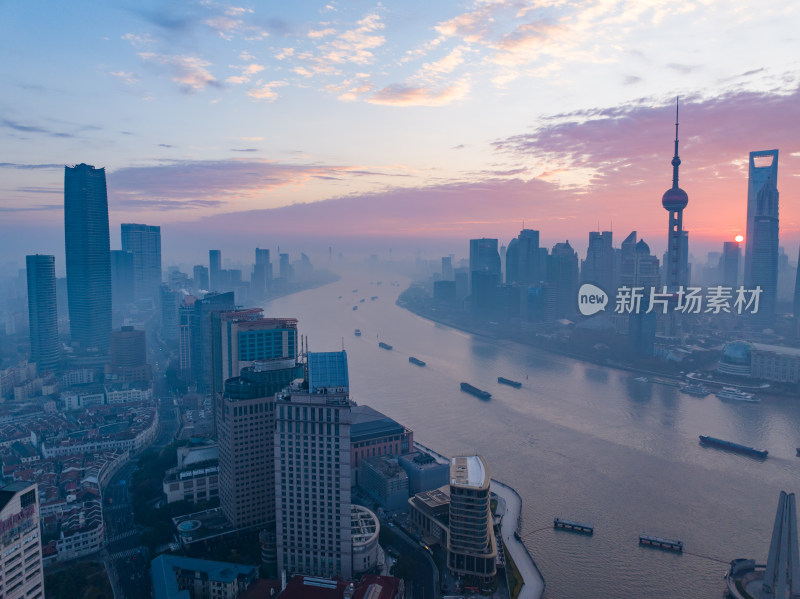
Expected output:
(661, 543)
(573, 526)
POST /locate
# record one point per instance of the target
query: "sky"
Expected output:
(391, 123)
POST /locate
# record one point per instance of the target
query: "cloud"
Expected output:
(353, 45)
(32, 208)
(53, 190)
(244, 149)
(16, 126)
(405, 95)
(126, 77)
(189, 72)
(29, 166)
(265, 91)
(138, 40)
(164, 145)
(247, 71)
(318, 33)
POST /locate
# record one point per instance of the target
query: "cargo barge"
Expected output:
(730, 446)
(479, 393)
(416, 361)
(509, 382)
(383, 345)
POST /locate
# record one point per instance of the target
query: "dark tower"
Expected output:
(674, 201)
(45, 349)
(88, 255)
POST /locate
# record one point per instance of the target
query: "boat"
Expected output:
(358, 332)
(355, 290)
(509, 382)
(731, 446)
(798, 452)
(361, 301)
(373, 298)
(416, 361)
(355, 307)
(384, 345)
(479, 393)
(642, 379)
(661, 543)
(574, 526)
(734, 394)
(696, 390)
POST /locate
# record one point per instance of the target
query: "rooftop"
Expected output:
(368, 423)
(468, 471)
(165, 584)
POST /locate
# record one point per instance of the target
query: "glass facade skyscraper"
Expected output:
(42, 311)
(144, 242)
(88, 254)
(761, 251)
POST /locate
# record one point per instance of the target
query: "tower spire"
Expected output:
(676, 161)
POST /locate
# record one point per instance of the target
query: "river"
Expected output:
(578, 441)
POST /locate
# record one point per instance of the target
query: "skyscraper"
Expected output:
(88, 255)
(674, 200)
(761, 250)
(797, 290)
(215, 269)
(42, 311)
(200, 276)
(471, 544)
(312, 471)
(246, 337)
(598, 268)
(525, 260)
(144, 242)
(729, 264)
(201, 336)
(122, 279)
(562, 272)
(782, 574)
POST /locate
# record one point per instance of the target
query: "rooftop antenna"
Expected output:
(676, 161)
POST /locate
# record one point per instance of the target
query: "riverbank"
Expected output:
(661, 376)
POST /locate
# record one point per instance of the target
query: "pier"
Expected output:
(661, 543)
(573, 526)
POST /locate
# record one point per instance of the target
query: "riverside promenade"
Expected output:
(533, 585)
(533, 582)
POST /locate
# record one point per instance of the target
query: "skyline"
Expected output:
(407, 122)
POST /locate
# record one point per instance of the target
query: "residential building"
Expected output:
(129, 355)
(20, 542)
(177, 577)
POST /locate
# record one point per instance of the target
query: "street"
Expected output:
(129, 560)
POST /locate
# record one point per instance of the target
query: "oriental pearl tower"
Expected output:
(674, 201)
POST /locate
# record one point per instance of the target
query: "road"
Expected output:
(129, 560)
(422, 586)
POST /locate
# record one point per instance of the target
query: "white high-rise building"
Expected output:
(20, 542)
(312, 471)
